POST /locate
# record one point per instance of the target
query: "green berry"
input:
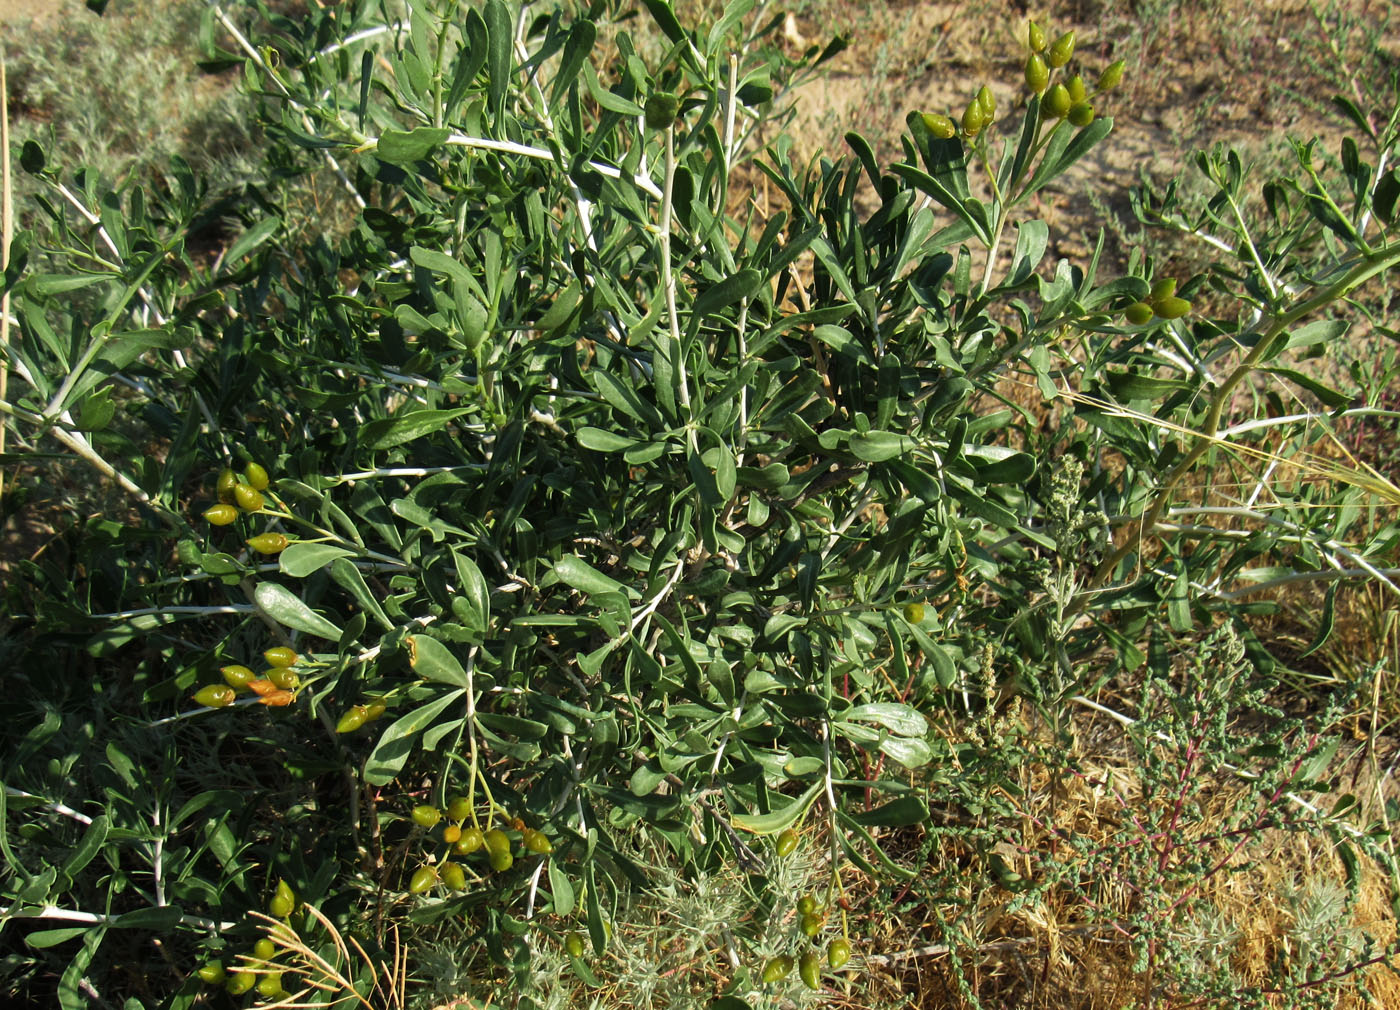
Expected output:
(1172, 308)
(283, 902)
(264, 950)
(1055, 104)
(454, 877)
(240, 983)
(787, 842)
(280, 655)
(1035, 36)
(1164, 288)
(470, 840)
(807, 904)
(256, 477)
(988, 102)
(459, 809)
(220, 515)
(972, 119)
(213, 972)
(422, 880)
(500, 860)
(914, 613)
(1075, 87)
(237, 677)
(268, 543)
(1037, 73)
(1138, 313)
(1061, 50)
(573, 944)
(810, 925)
(1082, 114)
(777, 969)
(214, 696)
(426, 816)
(940, 126)
(538, 842)
(270, 984)
(352, 720)
(838, 952)
(1112, 75)
(809, 966)
(249, 498)
(225, 484)
(284, 678)
(661, 110)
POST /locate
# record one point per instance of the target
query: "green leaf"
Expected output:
(666, 19)
(53, 937)
(91, 844)
(726, 293)
(399, 147)
(70, 993)
(1331, 397)
(387, 432)
(287, 609)
(562, 888)
(392, 750)
(579, 574)
(251, 239)
(1325, 625)
(877, 446)
(500, 38)
(909, 751)
(301, 559)
(901, 719)
(350, 579)
(431, 660)
(784, 817)
(896, 814)
(605, 441)
(473, 590)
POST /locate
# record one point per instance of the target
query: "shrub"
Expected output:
(613, 528)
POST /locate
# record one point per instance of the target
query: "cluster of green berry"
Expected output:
(464, 839)
(1068, 98)
(1162, 302)
(275, 688)
(245, 494)
(257, 970)
(811, 918)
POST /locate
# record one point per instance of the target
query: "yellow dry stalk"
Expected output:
(332, 986)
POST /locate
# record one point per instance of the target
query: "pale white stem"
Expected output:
(100, 919)
(58, 808)
(232, 608)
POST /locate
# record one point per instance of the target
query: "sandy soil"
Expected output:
(20, 12)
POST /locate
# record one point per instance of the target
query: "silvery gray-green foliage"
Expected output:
(612, 490)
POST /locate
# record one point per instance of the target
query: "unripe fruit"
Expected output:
(538, 842)
(1037, 73)
(1138, 313)
(1172, 308)
(284, 678)
(374, 710)
(914, 613)
(787, 843)
(256, 477)
(220, 515)
(352, 720)
(573, 944)
(940, 126)
(240, 983)
(451, 834)
(777, 969)
(1164, 288)
(264, 950)
(422, 880)
(270, 984)
(459, 809)
(1035, 35)
(268, 543)
(807, 904)
(1112, 75)
(988, 102)
(277, 699)
(1055, 104)
(972, 118)
(280, 655)
(284, 902)
(426, 817)
(214, 696)
(838, 952)
(454, 877)
(1081, 115)
(224, 485)
(496, 840)
(1061, 50)
(809, 966)
(661, 109)
(238, 677)
(1075, 87)
(213, 972)
(501, 861)
(810, 925)
(249, 499)
(470, 841)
